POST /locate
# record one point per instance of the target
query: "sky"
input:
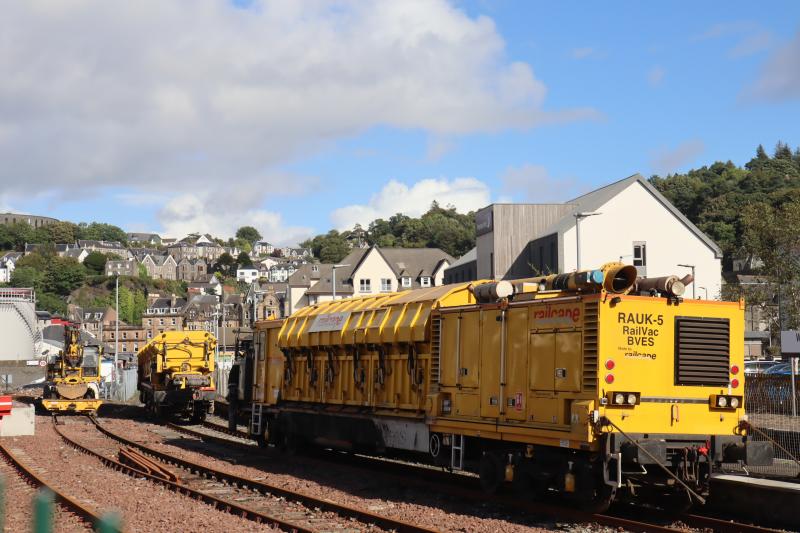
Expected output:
(176, 116)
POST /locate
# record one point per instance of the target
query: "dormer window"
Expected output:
(425, 281)
(406, 281)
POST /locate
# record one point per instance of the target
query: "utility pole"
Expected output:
(694, 281)
(116, 337)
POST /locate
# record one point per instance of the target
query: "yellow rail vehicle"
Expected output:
(176, 374)
(562, 382)
(73, 376)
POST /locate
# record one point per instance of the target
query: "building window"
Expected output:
(425, 281)
(639, 254)
(124, 334)
(364, 285)
(386, 285)
(173, 321)
(406, 281)
(160, 321)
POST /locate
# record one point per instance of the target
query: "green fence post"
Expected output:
(43, 512)
(109, 523)
(2, 503)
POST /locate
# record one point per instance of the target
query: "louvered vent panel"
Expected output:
(590, 346)
(436, 339)
(702, 351)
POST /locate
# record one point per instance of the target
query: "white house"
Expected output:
(7, 265)
(263, 248)
(628, 221)
(248, 275)
(371, 270)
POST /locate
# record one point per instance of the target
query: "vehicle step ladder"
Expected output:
(255, 419)
(456, 452)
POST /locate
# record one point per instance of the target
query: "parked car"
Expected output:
(780, 369)
(758, 367)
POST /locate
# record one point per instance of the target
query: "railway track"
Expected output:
(90, 516)
(265, 503)
(468, 488)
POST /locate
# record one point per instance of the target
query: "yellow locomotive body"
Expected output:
(176, 373)
(576, 386)
(73, 377)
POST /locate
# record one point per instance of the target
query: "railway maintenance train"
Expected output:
(595, 384)
(176, 374)
(73, 376)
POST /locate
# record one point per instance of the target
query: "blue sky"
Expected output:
(577, 97)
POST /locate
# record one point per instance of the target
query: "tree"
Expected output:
(248, 233)
(225, 264)
(51, 302)
(27, 276)
(99, 231)
(63, 275)
(244, 261)
(143, 274)
(95, 262)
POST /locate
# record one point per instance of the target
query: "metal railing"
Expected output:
(769, 401)
(17, 294)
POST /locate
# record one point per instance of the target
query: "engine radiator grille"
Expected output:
(702, 351)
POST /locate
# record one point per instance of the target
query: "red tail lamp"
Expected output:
(610, 365)
(734, 370)
(734, 383)
(609, 378)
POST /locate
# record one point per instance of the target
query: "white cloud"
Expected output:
(149, 92)
(752, 37)
(159, 97)
(465, 194)
(666, 160)
(583, 53)
(655, 76)
(207, 213)
(533, 183)
(779, 79)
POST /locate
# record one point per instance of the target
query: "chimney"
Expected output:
(172, 300)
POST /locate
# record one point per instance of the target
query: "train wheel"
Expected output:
(599, 501)
(491, 472)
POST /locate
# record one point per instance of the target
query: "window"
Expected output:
(124, 334)
(149, 334)
(639, 254)
(161, 321)
(173, 321)
(425, 281)
(364, 285)
(386, 285)
(406, 281)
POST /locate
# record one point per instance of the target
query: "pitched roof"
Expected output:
(468, 257)
(594, 200)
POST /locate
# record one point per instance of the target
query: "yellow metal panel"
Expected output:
(490, 364)
(404, 330)
(516, 377)
(542, 361)
(470, 359)
(448, 350)
(467, 404)
(569, 361)
(543, 410)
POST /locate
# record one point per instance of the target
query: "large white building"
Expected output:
(628, 221)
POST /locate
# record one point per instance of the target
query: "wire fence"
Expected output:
(771, 409)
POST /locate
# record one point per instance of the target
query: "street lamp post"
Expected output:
(333, 279)
(693, 280)
(578, 217)
(705, 292)
(116, 336)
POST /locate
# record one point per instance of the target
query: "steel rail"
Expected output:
(87, 514)
(213, 501)
(340, 509)
(223, 429)
(426, 477)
